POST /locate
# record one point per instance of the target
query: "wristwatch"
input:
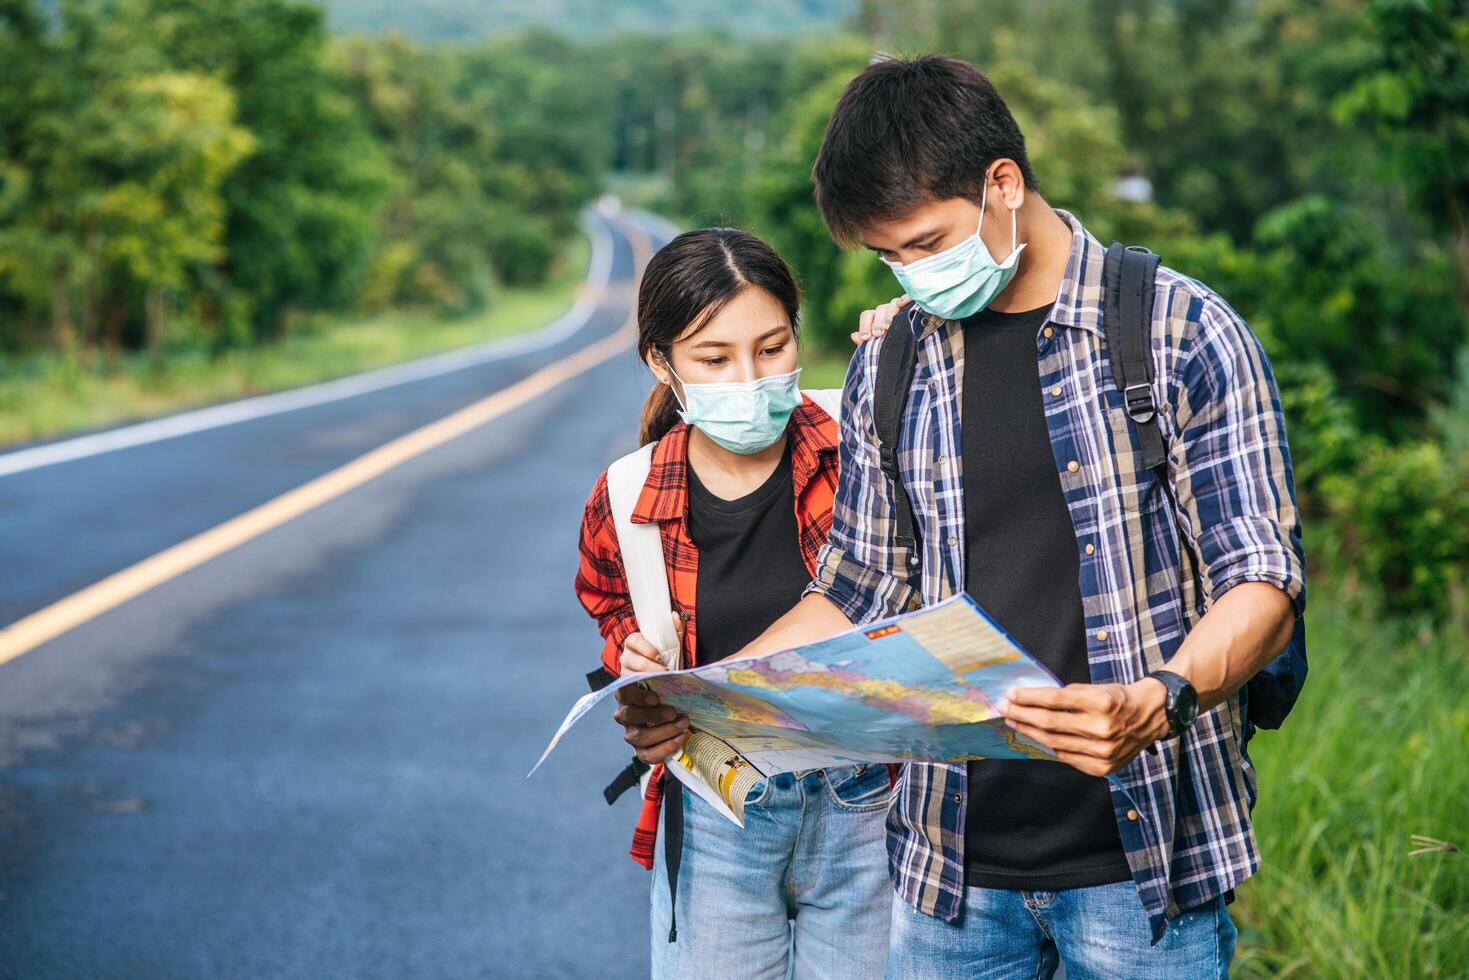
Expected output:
(1182, 704)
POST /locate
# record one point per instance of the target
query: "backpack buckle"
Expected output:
(887, 460)
(1140, 407)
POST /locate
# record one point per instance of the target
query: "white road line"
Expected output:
(599, 276)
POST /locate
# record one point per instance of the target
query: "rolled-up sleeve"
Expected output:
(1231, 464)
(860, 568)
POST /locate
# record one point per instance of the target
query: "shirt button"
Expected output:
(953, 541)
(1073, 466)
(939, 461)
(1056, 392)
(1132, 814)
(958, 798)
(1047, 333)
(1089, 549)
(1101, 636)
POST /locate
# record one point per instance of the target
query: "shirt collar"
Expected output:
(1079, 300)
(665, 495)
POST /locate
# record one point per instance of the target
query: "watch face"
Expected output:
(1187, 705)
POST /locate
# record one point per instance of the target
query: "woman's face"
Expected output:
(750, 338)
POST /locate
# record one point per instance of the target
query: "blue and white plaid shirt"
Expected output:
(1184, 809)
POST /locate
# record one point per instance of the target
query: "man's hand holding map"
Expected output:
(921, 687)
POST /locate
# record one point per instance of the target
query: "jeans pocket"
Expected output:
(858, 788)
(759, 793)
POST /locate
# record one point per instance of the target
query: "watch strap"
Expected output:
(1175, 685)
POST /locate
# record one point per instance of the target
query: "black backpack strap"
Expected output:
(895, 364)
(672, 845)
(630, 776)
(1128, 273)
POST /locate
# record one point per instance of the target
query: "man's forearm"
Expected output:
(814, 618)
(1241, 633)
(1099, 728)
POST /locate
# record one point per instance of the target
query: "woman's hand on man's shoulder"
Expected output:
(875, 322)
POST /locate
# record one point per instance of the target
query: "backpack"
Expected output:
(1128, 277)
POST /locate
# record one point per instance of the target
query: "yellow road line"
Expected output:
(65, 614)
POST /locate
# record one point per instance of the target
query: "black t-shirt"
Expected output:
(1030, 825)
(750, 567)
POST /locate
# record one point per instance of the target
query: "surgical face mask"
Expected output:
(742, 416)
(962, 280)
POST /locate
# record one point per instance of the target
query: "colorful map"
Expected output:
(919, 687)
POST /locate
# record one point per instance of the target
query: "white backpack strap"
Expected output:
(829, 400)
(641, 546)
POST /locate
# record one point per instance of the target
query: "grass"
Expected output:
(45, 394)
(1374, 754)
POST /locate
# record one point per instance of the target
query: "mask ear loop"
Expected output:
(668, 363)
(1014, 226)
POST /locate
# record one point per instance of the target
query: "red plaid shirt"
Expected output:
(601, 583)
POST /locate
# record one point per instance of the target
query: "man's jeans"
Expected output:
(802, 891)
(1099, 932)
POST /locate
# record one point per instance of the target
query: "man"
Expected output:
(1120, 862)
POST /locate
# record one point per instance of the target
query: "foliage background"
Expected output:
(185, 182)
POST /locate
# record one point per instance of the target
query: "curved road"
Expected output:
(306, 756)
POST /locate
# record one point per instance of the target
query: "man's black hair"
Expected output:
(906, 131)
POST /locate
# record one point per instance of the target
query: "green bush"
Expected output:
(1322, 430)
(1403, 517)
(521, 248)
(1385, 321)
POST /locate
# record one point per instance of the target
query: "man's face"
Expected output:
(933, 226)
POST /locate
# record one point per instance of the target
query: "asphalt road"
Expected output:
(306, 757)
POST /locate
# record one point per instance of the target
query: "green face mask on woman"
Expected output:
(742, 416)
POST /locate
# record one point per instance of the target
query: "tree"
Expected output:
(549, 107)
(167, 215)
(431, 236)
(1416, 94)
(113, 169)
(303, 208)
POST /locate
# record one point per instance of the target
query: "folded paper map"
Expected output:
(920, 687)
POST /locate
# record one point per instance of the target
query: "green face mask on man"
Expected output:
(962, 280)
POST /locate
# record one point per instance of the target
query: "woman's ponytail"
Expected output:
(660, 413)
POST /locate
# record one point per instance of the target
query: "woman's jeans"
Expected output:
(801, 891)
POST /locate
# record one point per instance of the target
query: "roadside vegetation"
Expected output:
(44, 394)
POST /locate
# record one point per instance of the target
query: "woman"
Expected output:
(740, 483)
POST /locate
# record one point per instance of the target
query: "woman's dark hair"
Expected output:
(686, 284)
(906, 131)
